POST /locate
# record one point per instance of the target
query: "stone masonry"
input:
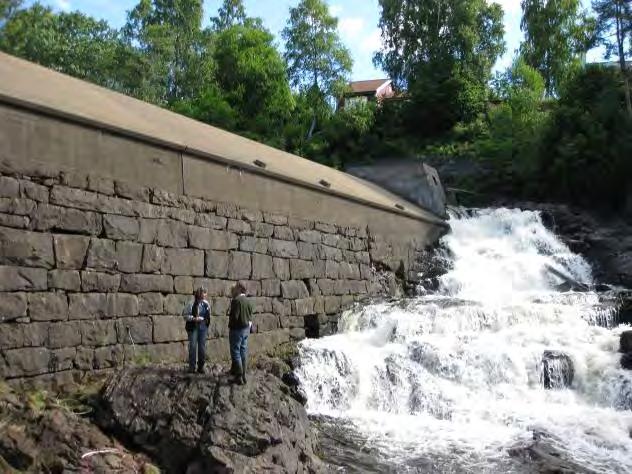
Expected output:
(95, 272)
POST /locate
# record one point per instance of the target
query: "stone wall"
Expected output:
(94, 272)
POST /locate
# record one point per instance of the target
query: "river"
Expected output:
(453, 380)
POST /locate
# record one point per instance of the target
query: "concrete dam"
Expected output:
(112, 210)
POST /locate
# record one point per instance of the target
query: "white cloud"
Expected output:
(63, 5)
(335, 10)
(371, 42)
(351, 27)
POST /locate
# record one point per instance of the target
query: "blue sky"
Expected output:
(358, 21)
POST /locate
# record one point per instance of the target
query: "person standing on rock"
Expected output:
(239, 324)
(197, 316)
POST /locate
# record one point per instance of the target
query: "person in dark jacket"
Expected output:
(197, 317)
(239, 324)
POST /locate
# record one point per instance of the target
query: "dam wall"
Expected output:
(112, 211)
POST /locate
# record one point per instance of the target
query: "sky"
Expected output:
(357, 23)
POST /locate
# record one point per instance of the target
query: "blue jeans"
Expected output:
(238, 340)
(197, 344)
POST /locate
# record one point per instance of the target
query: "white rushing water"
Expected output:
(456, 376)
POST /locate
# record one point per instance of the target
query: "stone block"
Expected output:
(100, 282)
(35, 334)
(150, 303)
(23, 279)
(227, 209)
(320, 268)
(26, 362)
(121, 227)
(253, 244)
(271, 287)
(34, 191)
(210, 239)
(239, 266)
(134, 330)
(297, 334)
(294, 290)
(217, 264)
(262, 267)
(263, 230)
(121, 304)
(301, 269)
(18, 222)
(12, 306)
(183, 284)
(332, 269)
(108, 357)
(148, 231)
(139, 283)
(220, 306)
(12, 335)
(24, 248)
(174, 304)
(183, 262)
(66, 334)
(102, 255)
(64, 280)
(250, 215)
(169, 329)
(214, 286)
(346, 302)
(266, 342)
(337, 241)
(300, 224)
(211, 221)
(239, 227)
(70, 251)
(357, 244)
(84, 359)
(87, 306)
(281, 307)
(48, 306)
(311, 236)
(74, 179)
(9, 187)
(261, 304)
(319, 304)
(357, 287)
(283, 233)
(332, 304)
(303, 307)
(341, 287)
(283, 248)
(307, 251)
(266, 322)
(327, 228)
(152, 258)
(98, 333)
(281, 268)
(172, 233)
(326, 286)
(312, 287)
(329, 253)
(276, 219)
(72, 197)
(218, 327)
(18, 206)
(291, 322)
(129, 256)
(165, 198)
(185, 215)
(131, 191)
(101, 184)
(349, 271)
(366, 272)
(48, 217)
(253, 287)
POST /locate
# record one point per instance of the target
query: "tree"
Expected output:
(442, 53)
(168, 33)
(72, 43)
(318, 63)
(232, 12)
(8, 9)
(557, 34)
(614, 24)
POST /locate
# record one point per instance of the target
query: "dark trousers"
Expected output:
(197, 345)
(238, 340)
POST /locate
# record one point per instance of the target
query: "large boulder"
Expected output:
(204, 424)
(557, 370)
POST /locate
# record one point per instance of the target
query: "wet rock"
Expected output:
(626, 361)
(557, 370)
(193, 423)
(625, 341)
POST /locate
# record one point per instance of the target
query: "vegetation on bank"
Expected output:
(549, 127)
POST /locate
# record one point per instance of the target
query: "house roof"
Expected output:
(371, 85)
(33, 87)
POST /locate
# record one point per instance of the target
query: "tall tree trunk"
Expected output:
(622, 63)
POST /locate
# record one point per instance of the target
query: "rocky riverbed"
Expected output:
(161, 419)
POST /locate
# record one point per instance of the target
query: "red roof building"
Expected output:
(365, 91)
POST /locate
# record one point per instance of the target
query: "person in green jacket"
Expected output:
(239, 324)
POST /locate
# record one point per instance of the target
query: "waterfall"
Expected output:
(496, 361)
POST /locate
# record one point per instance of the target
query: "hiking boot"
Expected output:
(243, 379)
(200, 370)
(191, 370)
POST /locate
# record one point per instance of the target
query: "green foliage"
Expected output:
(443, 54)
(557, 34)
(231, 13)
(585, 153)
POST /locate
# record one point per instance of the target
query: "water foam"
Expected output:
(457, 375)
